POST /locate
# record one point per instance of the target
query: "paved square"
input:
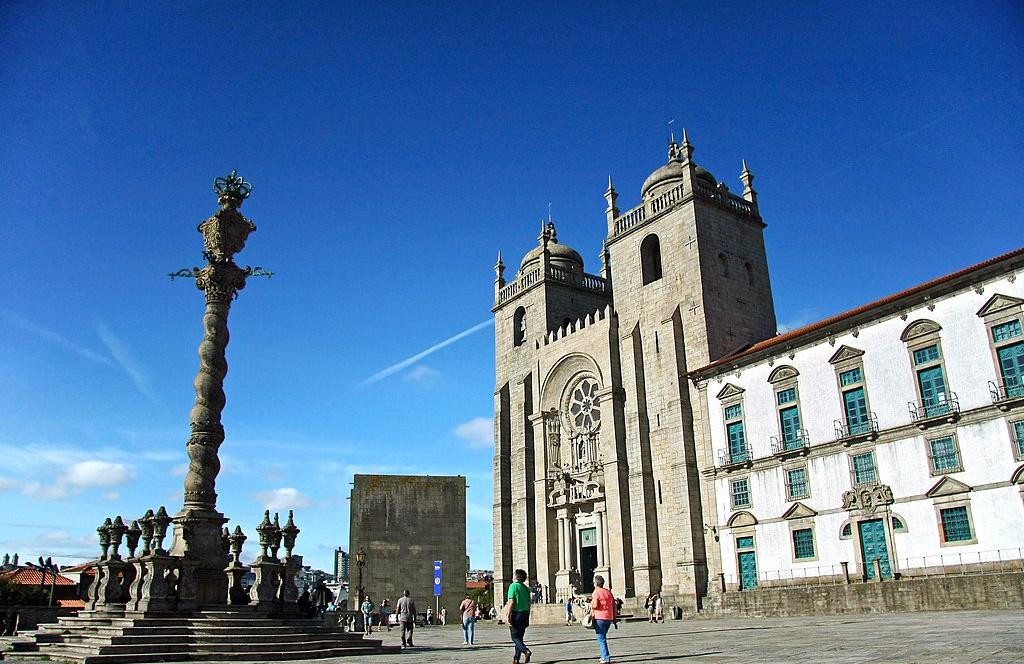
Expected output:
(954, 637)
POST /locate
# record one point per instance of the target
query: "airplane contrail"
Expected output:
(394, 368)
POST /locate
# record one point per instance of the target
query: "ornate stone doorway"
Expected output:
(588, 559)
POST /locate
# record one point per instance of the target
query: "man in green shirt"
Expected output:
(518, 609)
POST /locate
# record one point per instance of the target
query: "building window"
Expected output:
(750, 273)
(956, 525)
(855, 401)
(1006, 331)
(745, 542)
(846, 532)
(796, 483)
(740, 492)
(650, 259)
(944, 455)
(803, 543)
(519, 327)
(864, 472)
(898, 526)
(1018, 438)
(736, 434)
(931, 381)
(1003, 315)
(789, 418)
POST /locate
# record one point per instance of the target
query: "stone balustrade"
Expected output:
(582, 280)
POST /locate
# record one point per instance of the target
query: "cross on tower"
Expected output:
(690, 242)
(694, 307)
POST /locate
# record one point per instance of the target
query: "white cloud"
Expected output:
(282, 499)
(479, 512)
(7, 484)
(112, 496)
(179, 470)
(478, 432)
(55, 536)
(409, 361)
(80, 476)
(54, 338)
(421, 374)
(798, 320)
(125, 358)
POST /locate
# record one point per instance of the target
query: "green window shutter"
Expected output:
(933, 391)
(928, 354)
(789, 420)
(786, 396)
(944, 455)
(797, 481)
(1006, 331)
(803, 543)
(1011, 364)
(1018, 432)
(856, 406)
(734, 411)
(864, 469)
(850, 377)
(737, 442)
(956, 527)
(745, 542)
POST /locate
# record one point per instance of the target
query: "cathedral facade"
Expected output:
(652, 427)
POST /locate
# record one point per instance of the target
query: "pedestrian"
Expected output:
(659, 611)
(493, 614)
(430, 616)
(569, 617)
(468, 611)
(322, 595)
(406, 610)
(603, 609)
(304, 605)
(442, 615)
(649, 605)
(518, 615)
(479, 614)
(385, 611)
(367, 609)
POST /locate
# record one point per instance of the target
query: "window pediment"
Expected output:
(947, 486)
(845, 353)
(998, 303)
(742, 518)
(920, 328)
(799, 511)
(784, 372)
(729, 391)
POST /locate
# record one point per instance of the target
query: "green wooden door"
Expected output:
(789, 418)
(933, 391)
(737, 442)
(874, 547)
(748, 570)
(1011, 364)
(856, 406)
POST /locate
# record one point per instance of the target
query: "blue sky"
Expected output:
(393, 149)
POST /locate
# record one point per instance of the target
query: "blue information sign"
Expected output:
(437, 578)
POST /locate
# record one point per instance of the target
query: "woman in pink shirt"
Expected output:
(602, 607)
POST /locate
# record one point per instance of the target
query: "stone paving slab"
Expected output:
(967, 637)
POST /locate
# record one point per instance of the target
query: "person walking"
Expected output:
(569, 617)
(406, 610)
(602, 607)
(442, 616)
(321, 597)
(649, 605)
(659, 610)
(367, 609)
(385, 611)
(518, 612)
(468, 611)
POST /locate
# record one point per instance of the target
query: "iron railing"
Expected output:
(734, 456)
(866, 428)
(945, 406)
(1006, 390)
(797, 442)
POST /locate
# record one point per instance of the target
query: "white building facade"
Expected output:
(885, 441)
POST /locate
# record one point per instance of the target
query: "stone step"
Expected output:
(254, 656)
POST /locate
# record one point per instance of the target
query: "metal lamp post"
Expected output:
(360, 561)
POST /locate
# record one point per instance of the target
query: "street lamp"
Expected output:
(360, 561)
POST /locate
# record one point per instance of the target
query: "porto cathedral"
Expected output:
(653, 427)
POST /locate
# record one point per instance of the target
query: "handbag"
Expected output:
(588, 619)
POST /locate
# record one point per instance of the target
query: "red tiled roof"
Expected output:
(72, 603)
(794, 334)
(26, 576)
(473, 585)
(84, 567)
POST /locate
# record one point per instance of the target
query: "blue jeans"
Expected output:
(601, 629)
(468, 628)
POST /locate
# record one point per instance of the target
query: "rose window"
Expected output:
(584, 405)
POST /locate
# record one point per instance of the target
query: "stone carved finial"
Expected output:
(290, 533)
(117, 531)
(134, 533)
(237, 539)
(275, 537)
(225, 540)
(265, 531)
(147, 531)
(104, 532)
(160, 522)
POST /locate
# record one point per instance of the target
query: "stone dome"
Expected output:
(672, 173)
(562, 255)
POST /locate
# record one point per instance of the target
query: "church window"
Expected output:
(1006, 331)
(786, 396)
(956, 525)
(898, 525)
(740, 491)
(864, 472)
(944, 455)
(1004, 317)
(584, 405)
(796, 483)
(519, 327)
(650, 259)
(803, 543)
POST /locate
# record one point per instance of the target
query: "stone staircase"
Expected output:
(221, 635)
